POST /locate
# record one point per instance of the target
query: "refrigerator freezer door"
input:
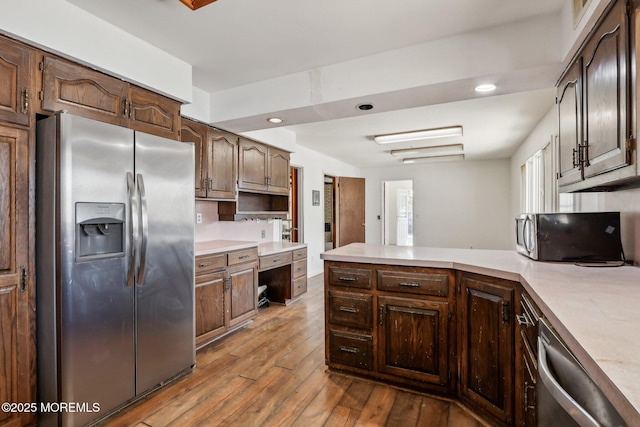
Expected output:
(93, 304)
(165, 284)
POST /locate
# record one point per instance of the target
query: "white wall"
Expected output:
(60, 27)
(461, 204)
(314, 167)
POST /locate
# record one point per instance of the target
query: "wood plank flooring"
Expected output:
(272, 373)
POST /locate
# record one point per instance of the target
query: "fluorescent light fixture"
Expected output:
(488, 87)
(275, 120)
(419, 134)
(434, 150)
(433, 159)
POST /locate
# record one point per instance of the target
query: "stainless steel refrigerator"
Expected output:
(115, 266)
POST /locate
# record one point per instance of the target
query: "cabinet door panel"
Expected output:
(244, 298)
(14, 81)
(210, 306)
(252, 172)
(413, 339)
(570, 124)
(222, 148)
(17, 322)
(487, 370)
(605, 89)
(152, 113)
(196, 133)
(279, 171)
(83, 92)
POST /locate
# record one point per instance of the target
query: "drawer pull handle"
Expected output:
(204, 264)
(276, 260)
(243, 257)
(409, 284)
(523, 320)
(352, 350)
(349, 309)
(348, 278)
(300, 286)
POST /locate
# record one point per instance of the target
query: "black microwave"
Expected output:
(570, 237)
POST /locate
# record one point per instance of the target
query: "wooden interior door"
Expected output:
(350, 217)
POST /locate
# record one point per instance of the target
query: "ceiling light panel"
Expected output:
(429, 151)
(433, 159)
(419, 135)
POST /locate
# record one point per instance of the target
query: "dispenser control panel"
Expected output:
(100, 230)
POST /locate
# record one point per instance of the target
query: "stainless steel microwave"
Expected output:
(570, 237)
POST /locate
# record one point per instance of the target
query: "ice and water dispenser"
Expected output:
(100, 230)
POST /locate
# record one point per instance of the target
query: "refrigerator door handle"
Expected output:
(145, 229)
(133, 229)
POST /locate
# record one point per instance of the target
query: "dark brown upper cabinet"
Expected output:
(222, 164)
(216, 157)
(92, 94)
(15, 81)
(262, 168)
(197, 133)
(595, 106)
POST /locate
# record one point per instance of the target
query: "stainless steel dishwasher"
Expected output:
(566, 395)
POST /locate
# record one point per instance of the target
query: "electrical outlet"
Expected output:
(198, 218)
(263, 234)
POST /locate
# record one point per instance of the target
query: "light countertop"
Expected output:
(596, 310)
(212, 247)
(271, 248)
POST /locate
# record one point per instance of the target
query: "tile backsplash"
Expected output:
(250, 230)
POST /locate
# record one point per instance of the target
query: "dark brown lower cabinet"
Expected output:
(226, 293)
(413, 339)
(392, 323)
(486, 357)
(211, 316)
(243, 293)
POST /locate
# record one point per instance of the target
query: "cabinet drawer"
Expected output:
(299, 268)
(240, 257)
(351, 310)
(299, 286)
(350, 277)
(299, 254)
(208, 263)
(434, 283)
(351, 349)
(272, 261)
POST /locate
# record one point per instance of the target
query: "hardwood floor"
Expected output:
(272, 373)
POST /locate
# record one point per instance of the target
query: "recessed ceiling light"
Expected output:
(365, 107)
(418, 134)
(275, 120)
(488, 87)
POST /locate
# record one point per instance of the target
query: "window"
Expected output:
(539, 190)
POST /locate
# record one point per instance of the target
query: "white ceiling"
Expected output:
(234, 43)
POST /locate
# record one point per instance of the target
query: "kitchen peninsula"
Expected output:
(594, 310)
